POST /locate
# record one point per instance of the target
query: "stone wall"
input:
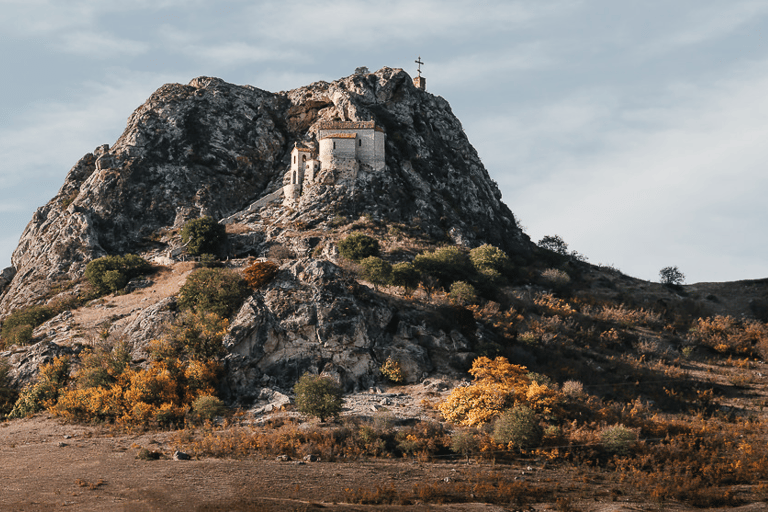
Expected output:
(336, 148)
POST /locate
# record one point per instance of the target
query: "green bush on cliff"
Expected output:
(358, 246)
(111, 273)
(213, 290)
(204, 236)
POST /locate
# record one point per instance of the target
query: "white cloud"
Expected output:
(56, 133)
(101, 45)
(708, 22)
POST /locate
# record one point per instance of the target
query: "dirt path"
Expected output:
(164, 283)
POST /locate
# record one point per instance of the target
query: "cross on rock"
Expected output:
(418, 61)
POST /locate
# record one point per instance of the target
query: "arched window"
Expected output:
(334, 144)
(303, 158)
(359, 142)
(294, 158)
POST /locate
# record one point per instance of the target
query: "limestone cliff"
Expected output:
(218, 149)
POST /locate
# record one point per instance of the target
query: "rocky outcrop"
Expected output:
(213, 148)
(217, 149)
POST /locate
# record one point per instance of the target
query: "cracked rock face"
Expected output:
(218, 149)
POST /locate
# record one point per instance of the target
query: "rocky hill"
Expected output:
(215, 149)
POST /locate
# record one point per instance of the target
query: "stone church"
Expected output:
(345, 147)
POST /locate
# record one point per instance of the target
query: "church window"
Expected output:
(359, 142)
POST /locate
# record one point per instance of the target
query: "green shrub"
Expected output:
(198, 335)
(618, 439)
(18, 326)
(210, 261)
(376, 271)
(490, 262)
(406, 276)
(214, 290)
(358, 246)
(207, 407)
(8, 395)
(464, 442)
(102, 365)
(446, 265)
(318, 396)
(518, 426)
(111, 273)
(463, 292)
(204, 235)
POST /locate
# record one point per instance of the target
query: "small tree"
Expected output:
(318, 396)
(358, 246)
(376, 271)
(671, 276)
(204, 235)
(463, 292)
(405, 275)
(554, 243)
(215, 290)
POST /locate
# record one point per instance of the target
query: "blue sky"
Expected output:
(634, 130)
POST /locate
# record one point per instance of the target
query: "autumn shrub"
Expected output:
(183, 369)
(160, 394)
(213, 290)
(518, 427)
(391, 370)
(548, 303)
(319, 396)
(556, 278)
(204, 236)
(35, 397)
(728, 335)
(498, 385)
(358, 246)
(628, 317)
(109, 274)
(260, 273)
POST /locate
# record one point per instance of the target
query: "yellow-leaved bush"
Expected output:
(498, 385)
(183, 369)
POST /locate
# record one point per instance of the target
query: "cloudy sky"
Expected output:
(637, 131)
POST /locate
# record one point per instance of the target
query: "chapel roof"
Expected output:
(346, 125)
(340, 136)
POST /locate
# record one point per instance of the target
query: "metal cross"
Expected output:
(418, 61)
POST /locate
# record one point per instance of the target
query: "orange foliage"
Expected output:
(260, 273)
